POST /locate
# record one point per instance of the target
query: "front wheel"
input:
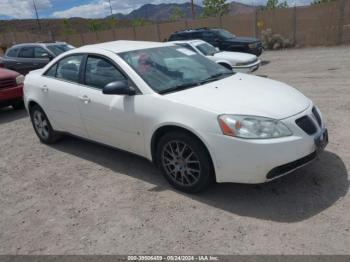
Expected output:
(185, 162)
(42, 126)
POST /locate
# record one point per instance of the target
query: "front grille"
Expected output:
(317, 116)
(306, 124)
(280, 170)
(6, 83)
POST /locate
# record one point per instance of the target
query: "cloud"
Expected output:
(22, 8)
(95, 9)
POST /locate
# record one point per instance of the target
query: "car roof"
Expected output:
(121, 46)
(37, 44)
(193, 41)
(187, 31)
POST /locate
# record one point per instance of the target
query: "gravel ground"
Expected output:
(77, 197)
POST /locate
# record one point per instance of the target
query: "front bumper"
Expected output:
(8, 95)
(247, 68)
(252, 160)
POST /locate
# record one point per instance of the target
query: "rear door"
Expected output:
(41, 57)
(61, 89)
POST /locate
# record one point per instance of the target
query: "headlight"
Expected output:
(254, 127)
(19, 79)
(254, 45)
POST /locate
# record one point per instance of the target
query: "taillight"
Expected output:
(2, 65)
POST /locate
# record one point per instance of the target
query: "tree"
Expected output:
(95, 26)
(272, 4)
(215, 8)
(176, 14)
(139, 22)
(316, 2)
(67, 27)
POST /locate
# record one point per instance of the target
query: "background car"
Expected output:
(11, 88)
(198, 121)
(27, 57)
(237, 61)
(221, 39)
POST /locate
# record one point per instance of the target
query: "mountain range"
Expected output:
(162, 12)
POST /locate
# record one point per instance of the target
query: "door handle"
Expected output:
(85, 99)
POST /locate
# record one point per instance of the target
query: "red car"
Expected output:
(11, 88)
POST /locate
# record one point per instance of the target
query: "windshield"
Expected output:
(225, 34)
(173, 68)
(59, 49)
(207, 49)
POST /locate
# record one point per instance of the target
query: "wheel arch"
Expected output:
(225, 64)
(162, 130)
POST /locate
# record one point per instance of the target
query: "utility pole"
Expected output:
(37, 15)
(110, 6)
(193, 10)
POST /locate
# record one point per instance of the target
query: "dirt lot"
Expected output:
(81, 198)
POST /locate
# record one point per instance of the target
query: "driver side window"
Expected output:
(99, 72)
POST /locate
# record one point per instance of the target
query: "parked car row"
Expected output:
(198, 121)
(24, 58)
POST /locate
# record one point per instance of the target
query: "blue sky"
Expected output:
(19, 9)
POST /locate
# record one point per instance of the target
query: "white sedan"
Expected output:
(198, 121)
(237, 61)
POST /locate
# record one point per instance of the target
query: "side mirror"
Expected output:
(118, 88)
(47, 56)
(217, 49)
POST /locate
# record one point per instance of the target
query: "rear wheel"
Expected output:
(185, 162)
(42, 126)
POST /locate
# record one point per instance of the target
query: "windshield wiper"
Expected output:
(179, 87)
(216, 77)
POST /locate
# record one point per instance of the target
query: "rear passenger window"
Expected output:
(68, 68)
(12, 52)
(26, 52)
(100, 72)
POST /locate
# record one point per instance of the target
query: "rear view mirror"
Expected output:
(118, 88)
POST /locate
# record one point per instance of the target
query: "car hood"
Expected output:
(245, 95)
(235, 57)
(5, 73)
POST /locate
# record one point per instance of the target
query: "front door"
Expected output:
(109, 119)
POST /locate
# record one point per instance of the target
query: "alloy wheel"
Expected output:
(181, 163)
(41, 124)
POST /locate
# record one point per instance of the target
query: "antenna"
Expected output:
(37, 15)
(193, 10)
(110, 6)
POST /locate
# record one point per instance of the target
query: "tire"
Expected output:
(18, 105)
(184, 162)
(42, 126)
